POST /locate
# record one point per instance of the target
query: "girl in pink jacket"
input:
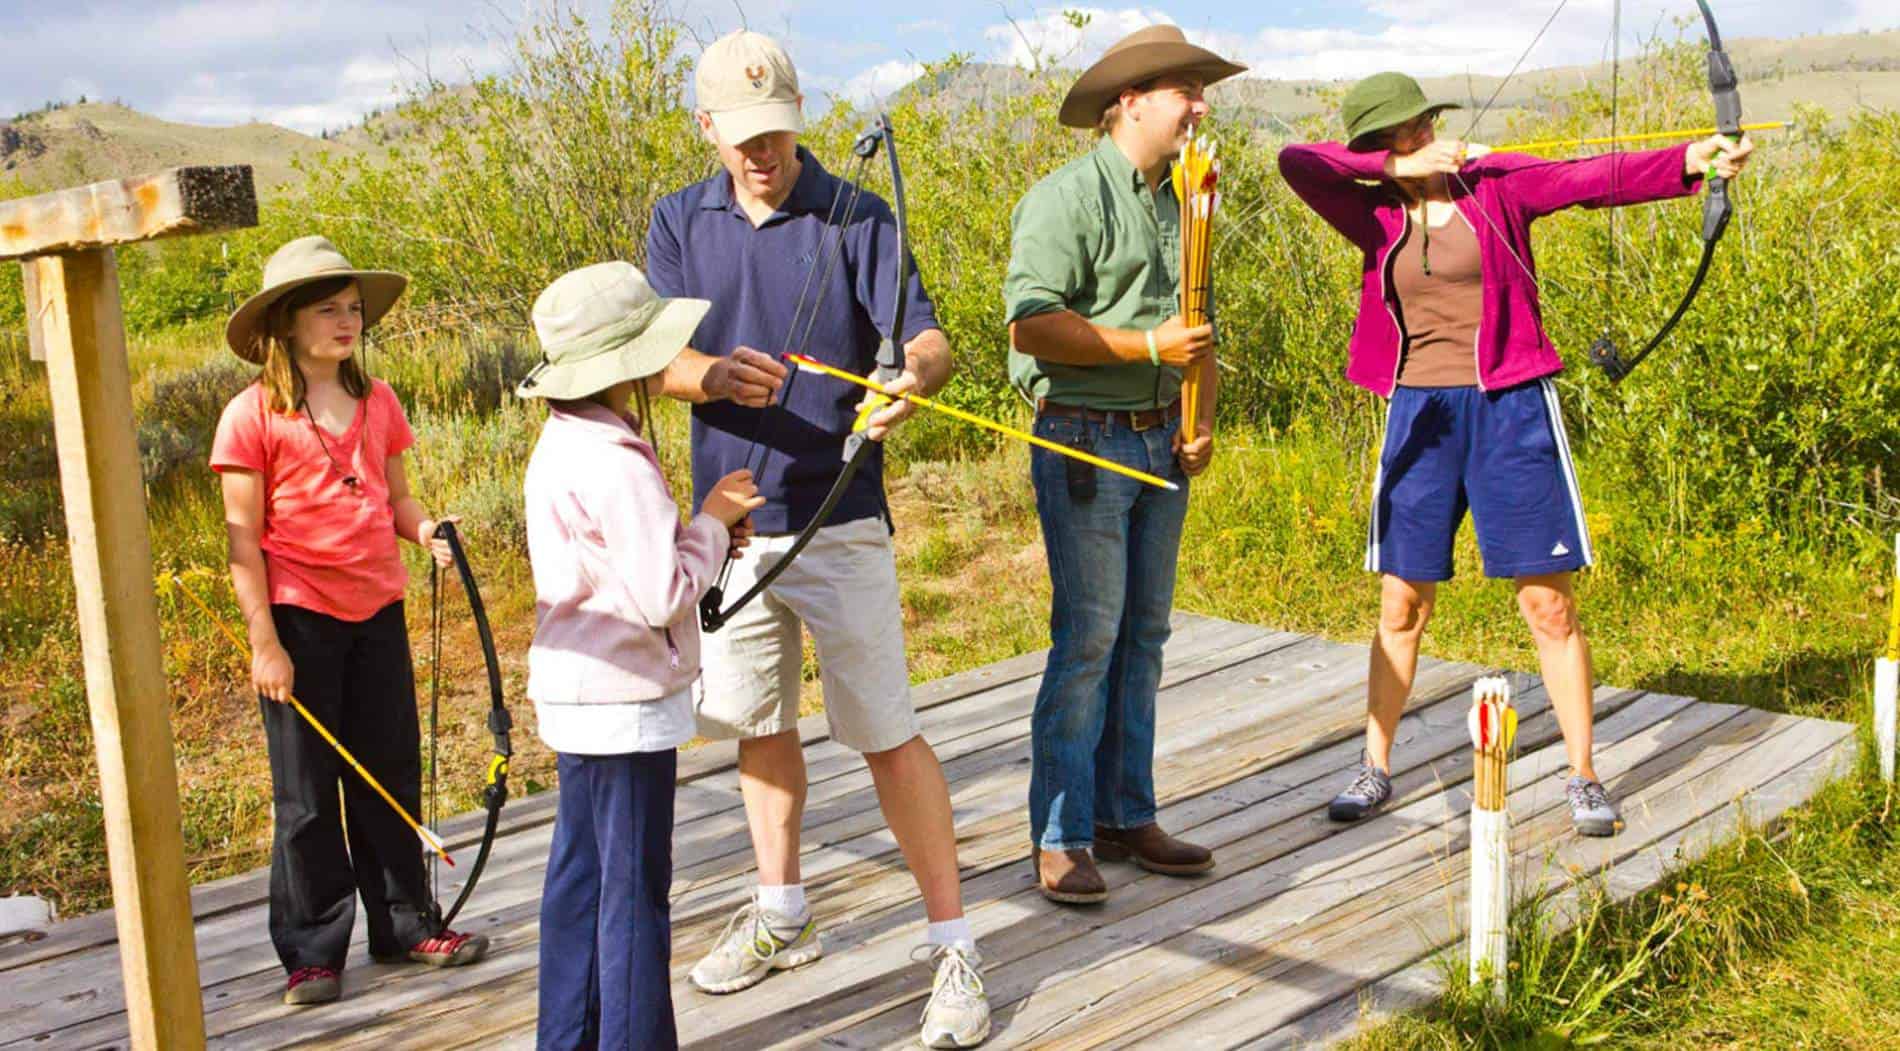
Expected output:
(1451, 333)
(617, 582)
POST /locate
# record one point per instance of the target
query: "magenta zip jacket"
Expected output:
(1507, 191)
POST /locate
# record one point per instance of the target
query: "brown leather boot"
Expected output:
(1152, 849)
(1069, 877)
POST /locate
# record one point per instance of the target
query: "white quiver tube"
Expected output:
(1887, 679)
(1493, 726)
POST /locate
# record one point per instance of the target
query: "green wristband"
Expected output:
(1154, 352)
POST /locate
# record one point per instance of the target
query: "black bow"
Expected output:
(890, 363)
(495, 788)
(1717, 207)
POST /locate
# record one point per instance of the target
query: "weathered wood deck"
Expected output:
(1300, 927)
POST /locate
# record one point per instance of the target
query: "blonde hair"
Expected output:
(282, 379)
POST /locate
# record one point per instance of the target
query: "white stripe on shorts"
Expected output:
(1378, 476)
(1568, 466)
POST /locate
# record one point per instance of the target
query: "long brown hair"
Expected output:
(282, 379)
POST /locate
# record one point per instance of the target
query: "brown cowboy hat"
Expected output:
(1141, 55)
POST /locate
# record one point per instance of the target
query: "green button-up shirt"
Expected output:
(1091, 237)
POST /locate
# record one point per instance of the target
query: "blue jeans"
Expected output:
(1111, 560)
(606, 927)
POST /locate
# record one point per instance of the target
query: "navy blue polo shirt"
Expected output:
(701, 244)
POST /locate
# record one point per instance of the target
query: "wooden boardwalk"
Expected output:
(1301, 928)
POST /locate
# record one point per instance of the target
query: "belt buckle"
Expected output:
(1135, 424)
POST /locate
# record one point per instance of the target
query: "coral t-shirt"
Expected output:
(329, 545)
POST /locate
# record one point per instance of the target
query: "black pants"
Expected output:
(356, 678)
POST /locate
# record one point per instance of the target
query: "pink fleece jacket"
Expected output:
(1507, 192)
(617, 578)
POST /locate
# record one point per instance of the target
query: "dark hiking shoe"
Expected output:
(1591, 812)
(1370, 789)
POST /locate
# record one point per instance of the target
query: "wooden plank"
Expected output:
(1328, 948)
(986, 771)
(111, 553)
(35, 309)
(1762, 808)
(1139, 959)
(121, 211)
(80, 933)
(1257, 825)
(238, 954)
(901, 892)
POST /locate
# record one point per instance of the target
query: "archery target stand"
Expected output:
(64, 241)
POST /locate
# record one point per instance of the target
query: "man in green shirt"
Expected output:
(1097, 343)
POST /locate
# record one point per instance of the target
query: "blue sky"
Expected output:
(315, 64)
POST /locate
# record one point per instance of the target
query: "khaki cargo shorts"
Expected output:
(843, 587)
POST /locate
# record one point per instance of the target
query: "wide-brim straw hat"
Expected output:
(601, 325)
(1142, 55)
(298, 263)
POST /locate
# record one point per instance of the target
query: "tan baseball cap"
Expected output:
(746, 83)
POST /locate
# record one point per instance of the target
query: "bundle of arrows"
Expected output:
(1493, 725)
(1887, 678)
(1196, 186)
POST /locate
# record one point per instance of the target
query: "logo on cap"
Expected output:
(756, 74)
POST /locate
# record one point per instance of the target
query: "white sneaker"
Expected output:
(747, 950)
(958, 1014)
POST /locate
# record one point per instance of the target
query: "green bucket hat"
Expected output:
(1385, 100)
(603, 324)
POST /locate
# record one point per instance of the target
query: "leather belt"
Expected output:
(1133, 419)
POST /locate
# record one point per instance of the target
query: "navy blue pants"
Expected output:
(606, 928)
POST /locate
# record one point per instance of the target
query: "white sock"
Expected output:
(788, 900)
(955, 933)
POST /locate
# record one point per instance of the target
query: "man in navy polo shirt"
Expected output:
(749, 239)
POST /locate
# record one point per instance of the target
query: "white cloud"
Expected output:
(1049, 37)
(1423, 37)
(879, 82)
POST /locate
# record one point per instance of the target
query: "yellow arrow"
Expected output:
(1650, 136)
(917, 399)
(429, 839)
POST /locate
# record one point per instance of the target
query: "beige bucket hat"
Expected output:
(746, 83)
(603, 324)
(302, 262)
(1141, 55)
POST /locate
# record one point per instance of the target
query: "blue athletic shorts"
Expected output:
(1502, 454)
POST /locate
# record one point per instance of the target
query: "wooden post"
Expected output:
(1493, 725)
(65, 240)
(1887, 680)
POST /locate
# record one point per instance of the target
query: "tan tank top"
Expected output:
(1440, 285)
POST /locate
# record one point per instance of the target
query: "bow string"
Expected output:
(500, 723)
(1717, 207)
(858, 449)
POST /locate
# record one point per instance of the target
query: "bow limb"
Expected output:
(500, 723)
(1717, 207)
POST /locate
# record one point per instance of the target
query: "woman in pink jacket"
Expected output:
(1450, 331)
(617, 582)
